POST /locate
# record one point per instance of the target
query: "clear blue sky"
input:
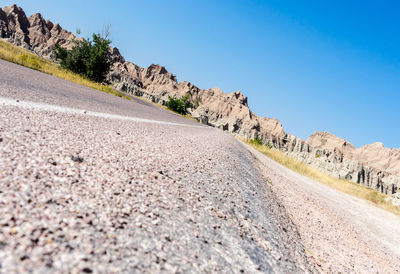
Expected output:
(315, 65)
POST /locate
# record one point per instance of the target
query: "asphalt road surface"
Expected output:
(90, 182)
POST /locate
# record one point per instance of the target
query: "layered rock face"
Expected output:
(371, 165)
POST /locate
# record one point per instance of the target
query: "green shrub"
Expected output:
(179, 105)
(259, 142)
(256, 141)
(90, 58)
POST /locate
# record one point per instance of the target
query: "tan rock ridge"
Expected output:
(374, 155)
(326, 140)
(377, 156)
(372, 165)
(33, 33)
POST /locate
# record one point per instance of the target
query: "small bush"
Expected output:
(256, 141)
(90, 58)
(179, 105)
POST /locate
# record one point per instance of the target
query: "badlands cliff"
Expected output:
(372, 165)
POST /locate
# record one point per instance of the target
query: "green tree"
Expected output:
(179, 105)
(90, 58)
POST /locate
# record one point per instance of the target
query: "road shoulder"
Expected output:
(331, 234)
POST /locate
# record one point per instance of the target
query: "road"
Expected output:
(90, 182)
(342, 233)
(93, 182)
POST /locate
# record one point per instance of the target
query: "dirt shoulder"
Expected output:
(341, 233)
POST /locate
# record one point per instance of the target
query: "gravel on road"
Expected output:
(86, 186)
(90, 194)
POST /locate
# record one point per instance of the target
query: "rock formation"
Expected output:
(371, 165)
(33, 33)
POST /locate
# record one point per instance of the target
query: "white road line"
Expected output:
(48, 107)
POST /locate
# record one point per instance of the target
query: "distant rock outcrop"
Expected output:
(371, 165)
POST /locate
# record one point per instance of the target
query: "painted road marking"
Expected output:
(48, 107)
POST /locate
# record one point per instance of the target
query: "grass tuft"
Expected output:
(372, 195)
(20, 56)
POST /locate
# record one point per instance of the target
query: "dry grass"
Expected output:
(342, 185)
(20, 56)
